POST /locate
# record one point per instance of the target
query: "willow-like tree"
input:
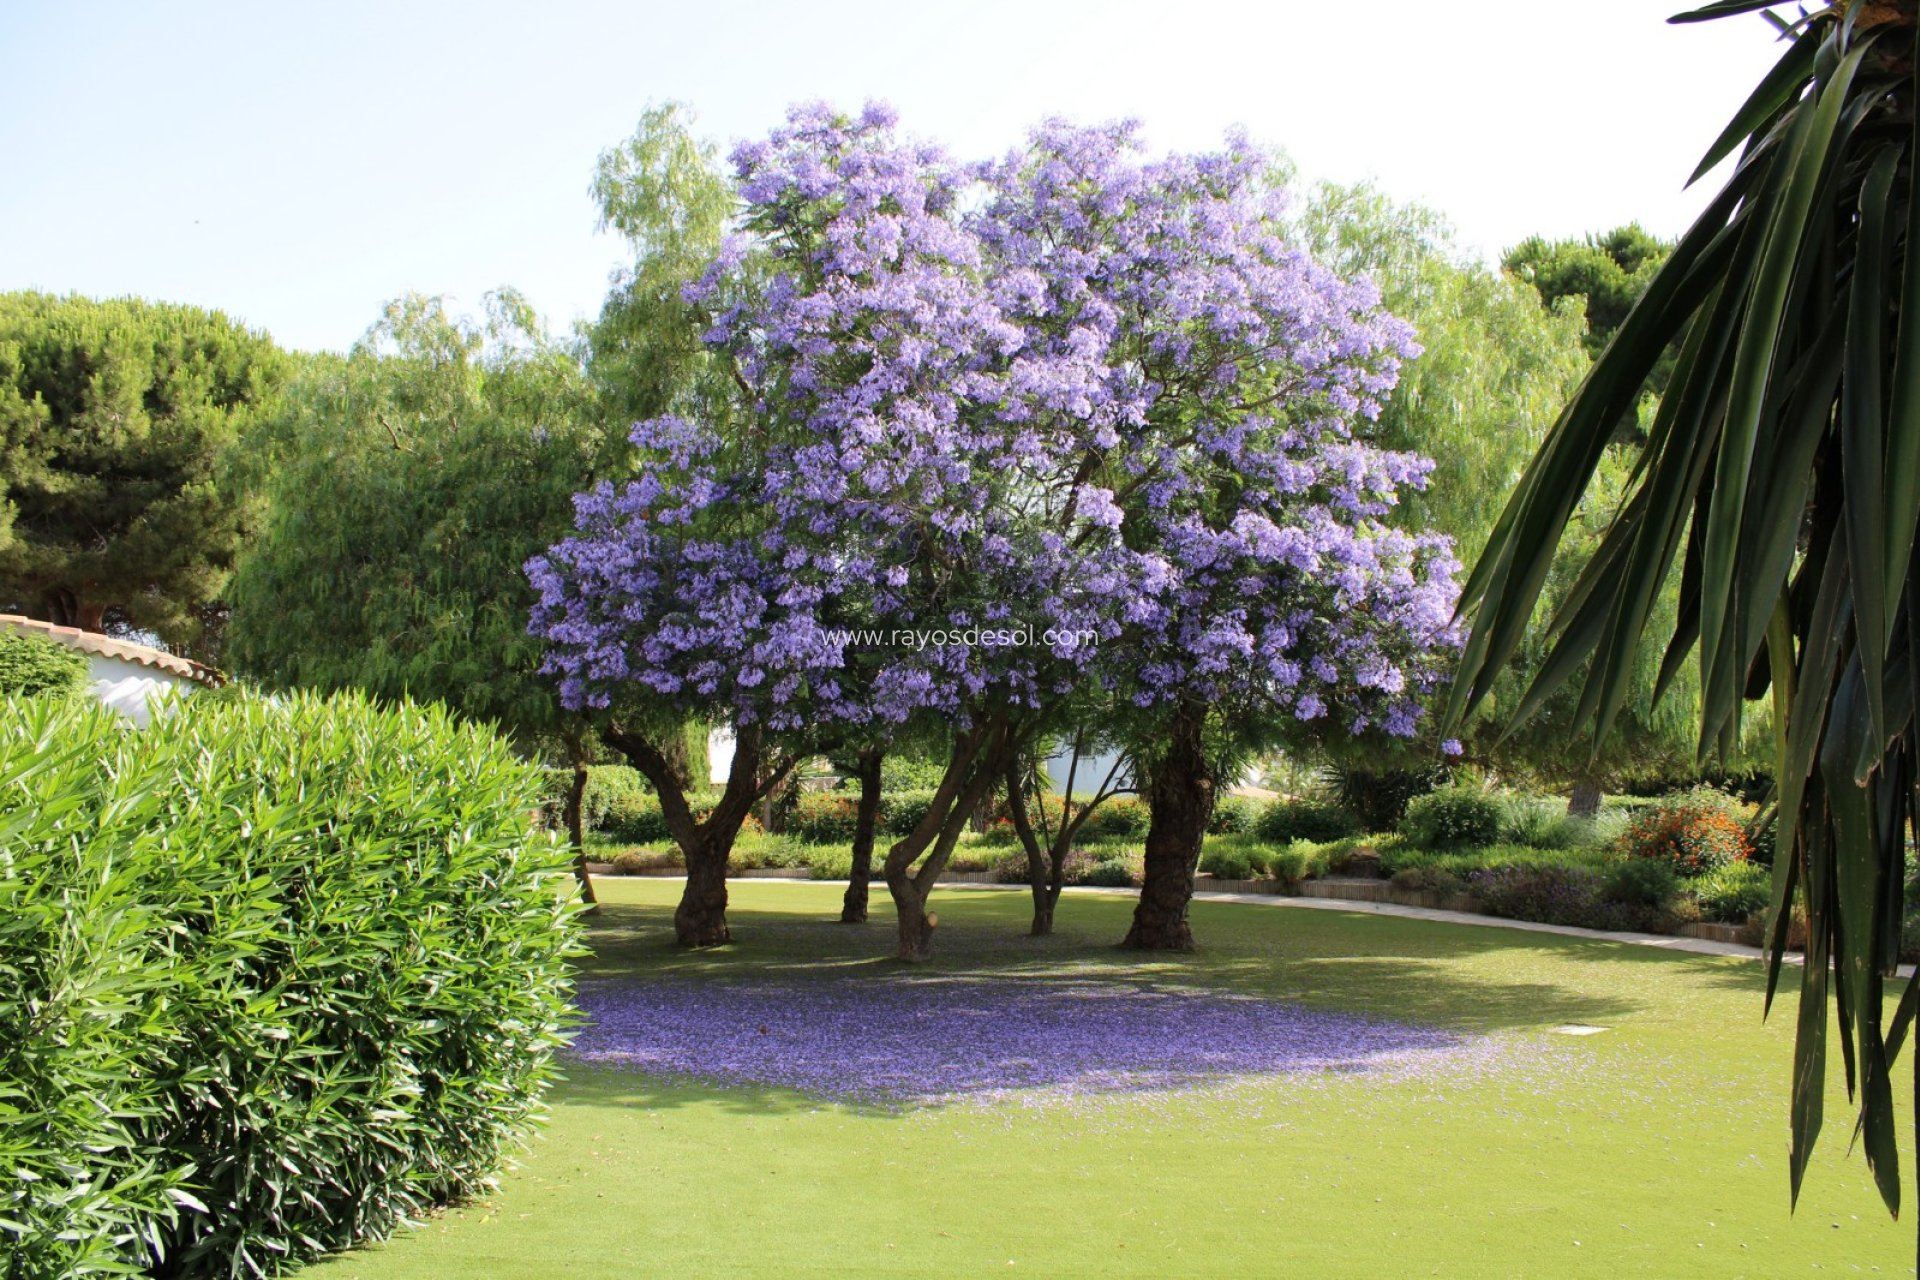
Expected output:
(410, 482)
(1782, 473)
(117, 423)
(1502, 352)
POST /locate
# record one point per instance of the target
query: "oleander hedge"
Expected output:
(274, 978)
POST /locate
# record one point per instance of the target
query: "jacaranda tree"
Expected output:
(1228, 372)
(1782, 472)
(1002, 430)
(853, 486)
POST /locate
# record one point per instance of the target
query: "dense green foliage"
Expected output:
(1733, 893)
(117, 420)
(1605, 274)
(30, 665)
(1234, 815)
(1285, 821)
(1452, 818)
(1501, 358)
(416, 476)
(663, 191)
(274, 977)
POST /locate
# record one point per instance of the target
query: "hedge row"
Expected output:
(273, 978)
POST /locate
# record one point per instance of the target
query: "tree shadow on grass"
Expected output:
(1459, 977)
(724, 1026)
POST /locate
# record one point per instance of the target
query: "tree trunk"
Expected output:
(1180, 795)
(701, 918)
(853, 908)
(1585, 800)
(1044, 900)
(576, 835)
(970, 775)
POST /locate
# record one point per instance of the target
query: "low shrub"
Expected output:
(634, 862)
(608, 785)
(1234, 816)
(274, 978)
(1010, 867)
(901, 811)
(1733, 893)
(1285, 821)
(1692, 833)
(1452, 818)
(1118, 818)
(972, 858)
(1227, 864)
(1566, 895)
(824, 817)
(34, 666)
(1428, 879)
(1545, 824)
(1112, 873)
(1640, 882)
(1000, 833)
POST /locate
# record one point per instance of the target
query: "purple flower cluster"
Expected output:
(904, 1040)
(1076, 391)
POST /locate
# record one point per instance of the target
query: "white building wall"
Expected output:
(131, 688)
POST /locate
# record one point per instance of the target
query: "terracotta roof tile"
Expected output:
(108, 647)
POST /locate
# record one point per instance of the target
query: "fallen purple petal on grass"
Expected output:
(917, 1040)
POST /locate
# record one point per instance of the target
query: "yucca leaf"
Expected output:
(1780, 86)
(1901, 509)
(1863, 449)
(1686, 623)
(1682, 447)
(1755, 359)
(1723, 9)
(1810, 1032)
(1507, 580)
(1774, 511)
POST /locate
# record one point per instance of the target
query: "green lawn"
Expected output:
(1656, 1148)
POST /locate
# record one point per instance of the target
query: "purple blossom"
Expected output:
(905, 1040)
(1076, 390)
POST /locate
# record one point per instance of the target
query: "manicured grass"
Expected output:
(1656, 1148)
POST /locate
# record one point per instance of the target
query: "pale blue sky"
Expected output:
(296, 166)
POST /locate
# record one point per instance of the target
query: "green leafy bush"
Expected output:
(1111, 873)
(1692, 833)
(608, 786)
(1544, 824)
(1428, 879)
(1119, 818)
(33, 666)
(824, 817)
(901, 811)
(1732, 893)
(1641, 882)
(1569, 895)
(1285, 821)
(1452, 818)
(273, 978)
(1234, 816)
(1227, 864)
(910, 773)
(634, 817)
